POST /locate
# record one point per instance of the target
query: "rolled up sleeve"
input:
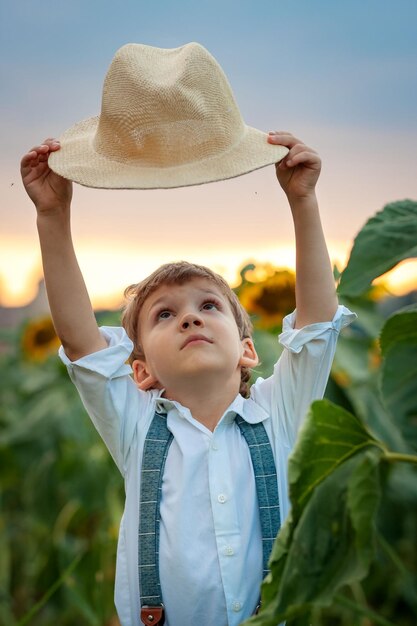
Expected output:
(108, 392)
(301, 373)
(300, 376)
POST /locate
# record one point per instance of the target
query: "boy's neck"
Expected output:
(206, 405)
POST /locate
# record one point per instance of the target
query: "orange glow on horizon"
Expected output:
(402, 279)
(107, 275)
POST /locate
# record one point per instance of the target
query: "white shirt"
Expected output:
(210, 537)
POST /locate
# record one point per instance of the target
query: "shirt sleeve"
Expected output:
(108, 392)
(301, 373)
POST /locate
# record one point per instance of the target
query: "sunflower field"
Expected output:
(347, 554)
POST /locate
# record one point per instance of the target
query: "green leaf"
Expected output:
(363, 498)
(386, 239)
(328, 438)
(331, 546)
(328, 539)
(369, 406)
(402, 326)
(399, 371)
(26, 619)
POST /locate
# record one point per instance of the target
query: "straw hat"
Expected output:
(168, 119)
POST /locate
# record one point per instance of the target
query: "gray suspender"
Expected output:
(155, 452)
(266, 484)
(157, 442)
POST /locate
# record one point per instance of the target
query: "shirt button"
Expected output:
(236, 606)
(229, 551)
(214, 446)
(221, 498)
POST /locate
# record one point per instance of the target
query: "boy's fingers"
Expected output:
(48, 144)
(283, 138)
(304, 156)
(40, 153)
(299, 147)
(43, 148)
(30, 159)
(26, 158)
(52, 143)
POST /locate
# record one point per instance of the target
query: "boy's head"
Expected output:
(182, 297)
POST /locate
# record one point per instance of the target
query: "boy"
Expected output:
(191, 352)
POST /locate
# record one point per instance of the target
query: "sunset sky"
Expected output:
(341, 76)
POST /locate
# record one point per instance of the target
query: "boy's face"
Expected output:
(188, 332)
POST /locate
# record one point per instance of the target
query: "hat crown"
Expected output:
(166, 106)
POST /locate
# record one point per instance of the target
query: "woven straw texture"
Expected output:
(168, 119)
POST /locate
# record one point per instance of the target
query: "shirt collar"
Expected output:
(247, 408)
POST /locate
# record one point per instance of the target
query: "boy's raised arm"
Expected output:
(69, 302)
(297, 173)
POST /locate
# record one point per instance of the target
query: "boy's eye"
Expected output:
(163, 315)
(211, 304)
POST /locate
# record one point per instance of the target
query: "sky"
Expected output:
(341, 76)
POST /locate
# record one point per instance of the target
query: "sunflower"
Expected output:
(341, 377)
(39, 339)
(269, 300)
(374, 356)
(378, 291)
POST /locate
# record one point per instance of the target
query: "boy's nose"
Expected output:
(189, 320)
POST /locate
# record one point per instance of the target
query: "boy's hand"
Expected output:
(47, 190)
(298, 172)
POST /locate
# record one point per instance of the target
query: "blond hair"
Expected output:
(179, 273)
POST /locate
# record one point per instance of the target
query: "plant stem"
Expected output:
(362, 610)
(396, 456)
(390, 552)
(407, 575)
(358, 593)
(37, 607)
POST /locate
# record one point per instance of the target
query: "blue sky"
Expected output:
(341, 76)
(352, 61)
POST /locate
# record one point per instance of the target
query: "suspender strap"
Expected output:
(266, 484)
(157, 442)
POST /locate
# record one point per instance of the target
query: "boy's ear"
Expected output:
(142, 377)
(249, 356)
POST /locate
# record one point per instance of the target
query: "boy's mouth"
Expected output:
(195, 338)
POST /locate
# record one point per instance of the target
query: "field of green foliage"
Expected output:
(346, 556)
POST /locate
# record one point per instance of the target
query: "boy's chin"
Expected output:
(205, 374)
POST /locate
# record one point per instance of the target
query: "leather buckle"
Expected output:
(152, 615)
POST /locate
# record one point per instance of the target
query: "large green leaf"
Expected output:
(369, 406)
(331, 546)
(402, 326)
(399, 371)
(327, 541)
(329, 437)
(386, 239)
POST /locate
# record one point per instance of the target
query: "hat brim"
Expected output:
(78, 161)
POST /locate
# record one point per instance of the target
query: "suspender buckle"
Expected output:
(152, 615)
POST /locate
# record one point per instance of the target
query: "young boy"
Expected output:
(190, 348)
